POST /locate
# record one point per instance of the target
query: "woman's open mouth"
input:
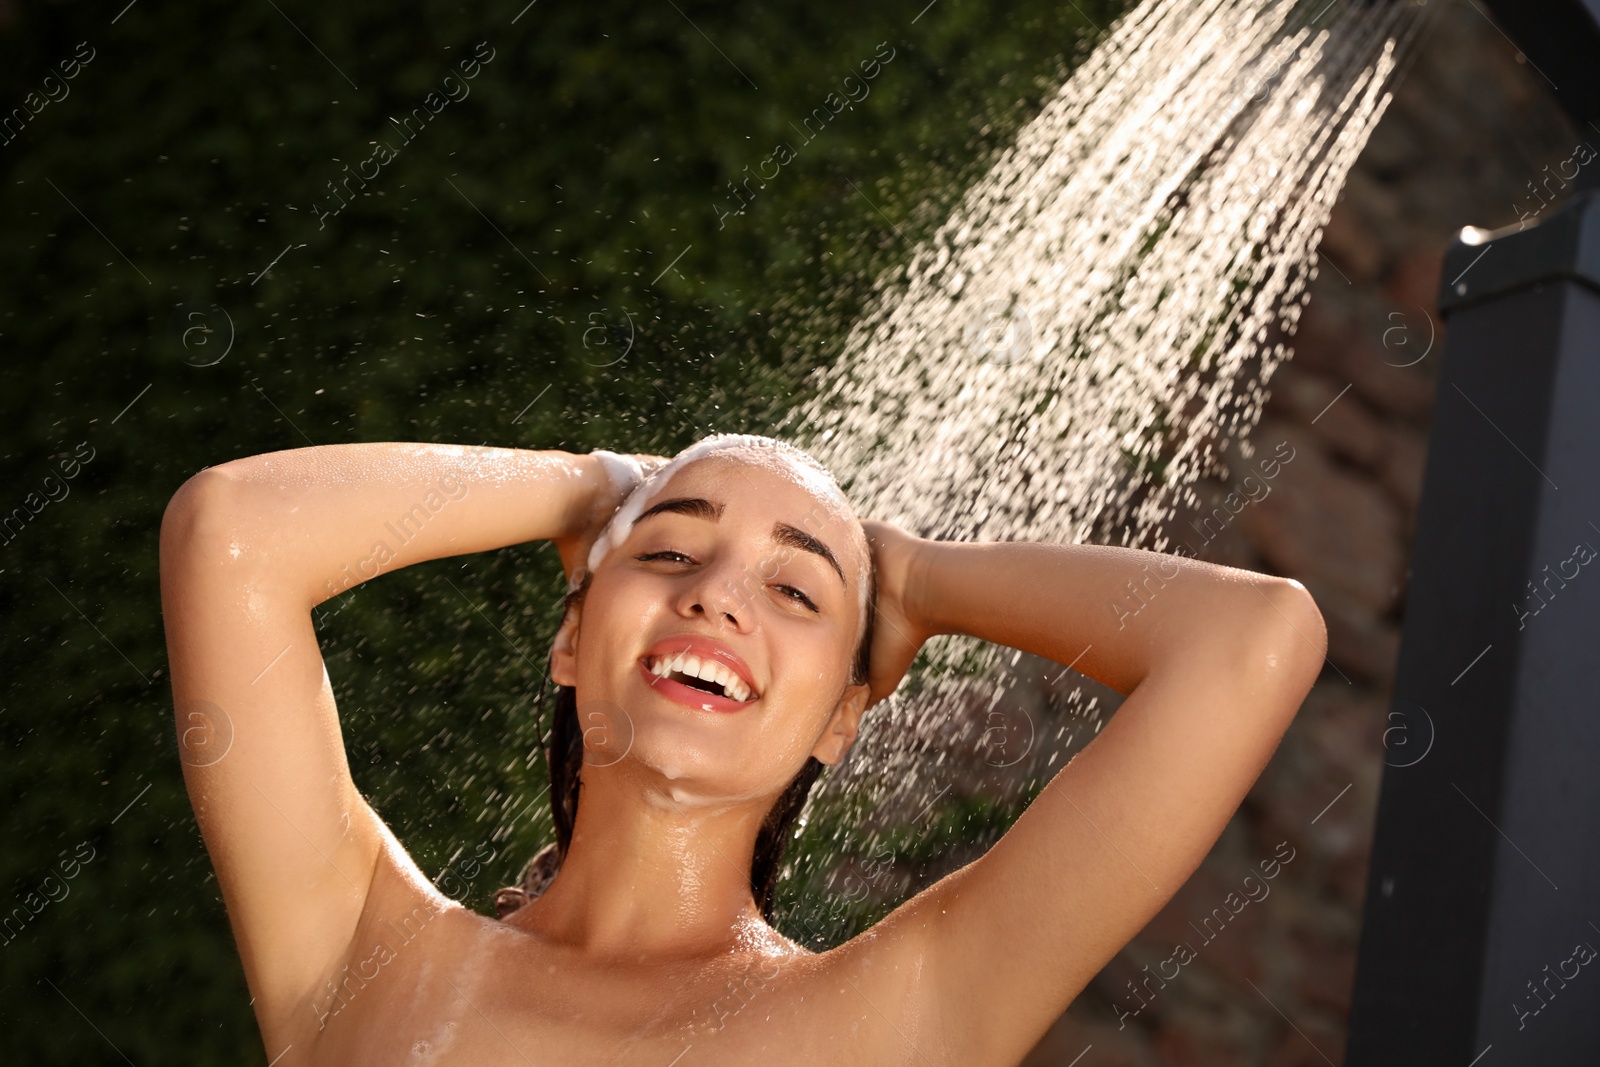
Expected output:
(703, 675)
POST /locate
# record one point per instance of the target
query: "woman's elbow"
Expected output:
(193, 508)
(1294, 635)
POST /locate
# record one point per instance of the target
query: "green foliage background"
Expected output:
(481, 290)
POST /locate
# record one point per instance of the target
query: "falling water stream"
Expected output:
(1063, 359)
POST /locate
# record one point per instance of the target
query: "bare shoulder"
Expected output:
(885, 973)
(383, 986)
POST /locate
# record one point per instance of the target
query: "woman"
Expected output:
(712, 649)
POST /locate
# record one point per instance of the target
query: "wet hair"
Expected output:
(564, 759)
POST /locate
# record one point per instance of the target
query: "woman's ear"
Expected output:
(564, 651)
(843, 726)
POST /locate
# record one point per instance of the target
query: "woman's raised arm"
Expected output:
(247, 549)
(1214, 662)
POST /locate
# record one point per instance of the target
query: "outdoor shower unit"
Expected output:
(1482, 918)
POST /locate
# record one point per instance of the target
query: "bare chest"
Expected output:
(459, 991)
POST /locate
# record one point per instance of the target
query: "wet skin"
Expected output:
(648, 948)
(760, 1001)
(691, 974)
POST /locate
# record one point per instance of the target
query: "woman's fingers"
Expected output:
(623, 474)
(892, 654)
(896, 638)
(650, 463)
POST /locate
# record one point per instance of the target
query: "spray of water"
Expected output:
(1063, 358)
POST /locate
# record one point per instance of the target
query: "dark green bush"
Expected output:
(479, 289)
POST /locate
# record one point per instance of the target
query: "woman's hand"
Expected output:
(613, 478)
(899, 629)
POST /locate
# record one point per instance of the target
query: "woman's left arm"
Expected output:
(1214, 662)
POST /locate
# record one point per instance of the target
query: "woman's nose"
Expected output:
(720, 594)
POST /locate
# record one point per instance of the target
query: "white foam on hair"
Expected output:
(622, 521)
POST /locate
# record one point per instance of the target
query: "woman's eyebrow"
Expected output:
(794, 537)
(782, 533)
(697, 507)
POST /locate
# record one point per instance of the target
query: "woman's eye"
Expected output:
(669, 555)
(788, 592)
(796, 595)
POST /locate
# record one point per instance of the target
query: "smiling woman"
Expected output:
(729, 622)
(690, 668)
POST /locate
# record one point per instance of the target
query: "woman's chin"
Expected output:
(682, 774)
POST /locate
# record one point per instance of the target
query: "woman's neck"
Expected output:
(648, 878)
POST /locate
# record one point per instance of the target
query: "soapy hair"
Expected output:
(627, 474)
(564, 752)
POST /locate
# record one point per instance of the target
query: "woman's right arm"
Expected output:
(247, 549)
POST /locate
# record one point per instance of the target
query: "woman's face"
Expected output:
(715, 645)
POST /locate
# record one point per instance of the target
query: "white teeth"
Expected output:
(705, 669)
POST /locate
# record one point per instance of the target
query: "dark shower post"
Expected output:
(1485, 879)
(1483, 900)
